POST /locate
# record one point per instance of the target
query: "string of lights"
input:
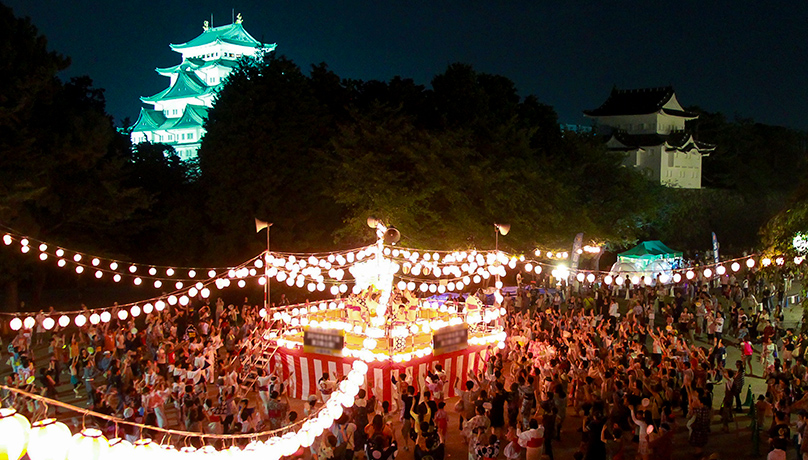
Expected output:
(49, 439)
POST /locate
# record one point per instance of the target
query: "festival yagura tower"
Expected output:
(177, 113)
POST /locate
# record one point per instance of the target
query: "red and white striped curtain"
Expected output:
(301, 371)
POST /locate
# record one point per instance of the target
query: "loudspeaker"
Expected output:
(392, 235)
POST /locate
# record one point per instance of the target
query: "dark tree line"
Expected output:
(316, 154)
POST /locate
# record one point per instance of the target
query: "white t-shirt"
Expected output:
(719, 325)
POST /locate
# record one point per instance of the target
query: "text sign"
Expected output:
(323, 341)
(450, 339)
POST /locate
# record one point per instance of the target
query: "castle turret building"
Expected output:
(176, 115)
(648, 125)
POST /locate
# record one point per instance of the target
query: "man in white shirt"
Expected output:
(719, 325)
(613, 309)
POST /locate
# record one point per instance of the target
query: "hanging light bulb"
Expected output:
(105, 316)
(64, 321)
(48, 324)
(15, 430)
(148, 308)
(77, 258)
(122, 315)
(191, 273)
(99, 274)
(80, 320)
(95, 318)
(158, 284)
(79, 269)
(132, 268)
(116, 278)
(29, 322)
(60, 252)
(15, 324)
(49, 440)
(134, 311)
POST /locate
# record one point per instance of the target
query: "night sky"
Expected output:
(742, 58)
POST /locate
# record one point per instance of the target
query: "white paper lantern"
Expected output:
(14, 433)
(90, 444)
(49, 440)
(48, 323)
(120, 449)
(146, 449)
(15, 324)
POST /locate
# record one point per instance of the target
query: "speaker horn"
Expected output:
(392, 235)
(503, 228)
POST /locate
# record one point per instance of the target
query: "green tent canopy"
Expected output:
(648, 251)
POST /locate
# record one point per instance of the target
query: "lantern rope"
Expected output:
(167, 431)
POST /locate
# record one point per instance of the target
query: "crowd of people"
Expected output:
(630, 366)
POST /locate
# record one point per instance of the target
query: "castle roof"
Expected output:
(153, 120)
(639, 102)
(187, 84)
(193, 116)
(196, 64)
(682, 141)
(148, 120)
(233, 34)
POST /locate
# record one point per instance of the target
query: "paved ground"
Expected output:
(733, 445)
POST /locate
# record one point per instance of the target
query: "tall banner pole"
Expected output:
(576, 256)
(266, 263)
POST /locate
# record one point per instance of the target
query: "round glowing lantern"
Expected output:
(48, 323)
(49, 440)
(145, 448)
(90, 444)
(15, 324)
(120, 449)
(15, 430)
(64, 321)
(29, 322)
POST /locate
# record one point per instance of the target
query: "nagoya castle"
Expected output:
(175, 115)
